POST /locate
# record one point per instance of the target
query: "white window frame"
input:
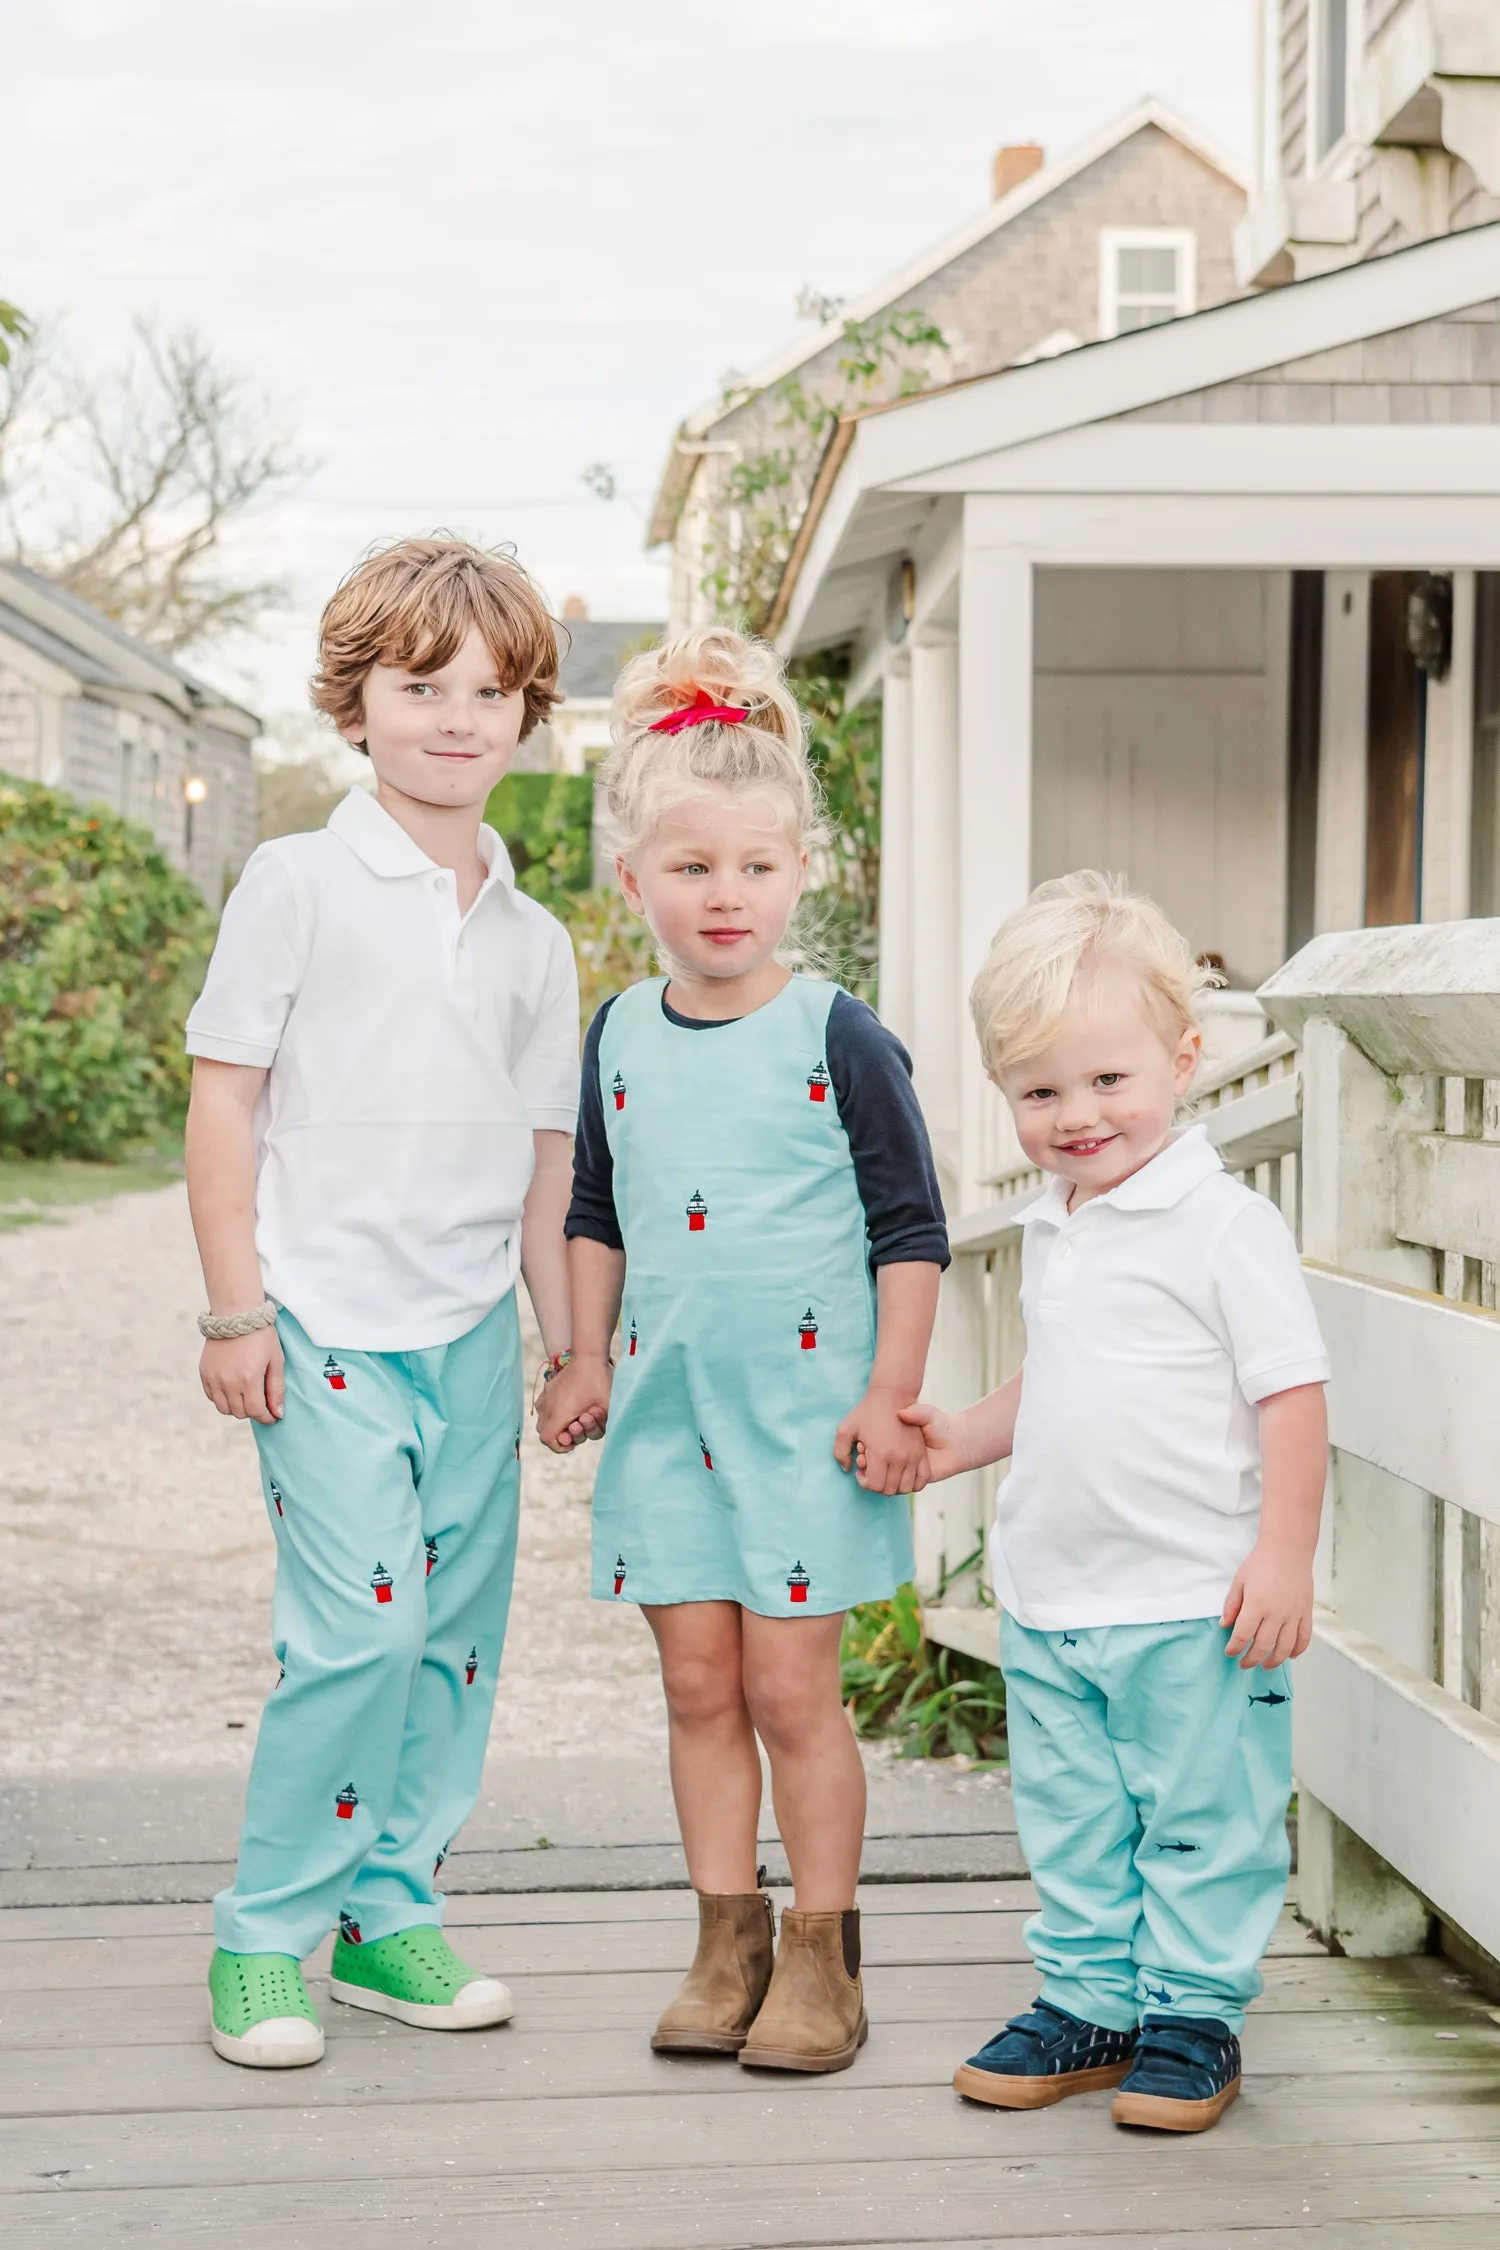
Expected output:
(1267, 85)
(1112, 240)
(1320, 161)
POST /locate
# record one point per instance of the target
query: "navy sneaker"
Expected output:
(1042, 2057)
(1185, 2075)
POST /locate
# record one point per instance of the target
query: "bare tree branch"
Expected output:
(126, 487)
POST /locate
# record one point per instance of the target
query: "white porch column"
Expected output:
(993, 833)
(934, 856)
(897, 963)
(1448, 778)
(1339, 898)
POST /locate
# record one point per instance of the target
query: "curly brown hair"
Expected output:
(413, 604)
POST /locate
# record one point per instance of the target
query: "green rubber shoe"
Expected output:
(417, 1977)
(260, 2015)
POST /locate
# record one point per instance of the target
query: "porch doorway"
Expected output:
(1395, 745)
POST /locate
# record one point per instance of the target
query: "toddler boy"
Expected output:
(385, 1083)
(1154, 1539)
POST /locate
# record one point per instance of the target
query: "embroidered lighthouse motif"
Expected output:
(349, 1930)
(630, 1354)
(619, 1574)
(471, 1666)
(818, 1083)
(619, 1091)
(518, 1445)
(708, 1459)
(807, 1329)
(334, 1374)
(431, 1546)
(797, 1583)
(346, 1800)
(380, 1580)
(276, 1499)
(697, 1212)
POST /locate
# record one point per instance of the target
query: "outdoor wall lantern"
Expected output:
(195, 789)
(900, 600)
(1429, 624)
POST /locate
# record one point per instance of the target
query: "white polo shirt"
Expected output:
(1157, 1318)
(411, 1053)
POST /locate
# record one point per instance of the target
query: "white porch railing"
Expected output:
(1378, 1133)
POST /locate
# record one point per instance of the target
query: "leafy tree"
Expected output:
(102, 950)
(124, 486)
(13, 323)
(547, 821)
(844, 750)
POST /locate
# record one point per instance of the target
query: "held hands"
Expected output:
(940, 1434)
(574, 1406)
(1270, 1606)
(875, 1442)
(245, 1376)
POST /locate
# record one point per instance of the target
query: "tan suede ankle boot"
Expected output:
(715, 2005)
(813, 2017)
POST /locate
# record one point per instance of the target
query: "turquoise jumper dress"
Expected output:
(748, 1324)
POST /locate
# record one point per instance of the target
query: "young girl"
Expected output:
(755, 1203)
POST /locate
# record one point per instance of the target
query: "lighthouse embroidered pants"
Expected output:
(393, 1486)
(1151, 1779)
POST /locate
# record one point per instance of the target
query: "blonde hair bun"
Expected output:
(646, 772)
(1067, 931)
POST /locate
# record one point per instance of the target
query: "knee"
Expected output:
(787, 1714)
(701, 1693)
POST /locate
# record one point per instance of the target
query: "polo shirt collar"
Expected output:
(362, 822)
(1188, 1159)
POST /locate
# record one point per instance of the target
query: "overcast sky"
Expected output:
(477, 245)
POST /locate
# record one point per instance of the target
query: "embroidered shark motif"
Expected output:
(1270, 1696)
(1160, 1994)
(1070, 1640)
(1179, 1847)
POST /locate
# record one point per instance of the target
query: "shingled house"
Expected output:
(87, 708)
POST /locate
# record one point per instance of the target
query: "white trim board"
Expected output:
(1294, 457)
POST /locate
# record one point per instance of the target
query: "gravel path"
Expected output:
(135, 1556)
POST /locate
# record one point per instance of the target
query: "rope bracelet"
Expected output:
(223, 1328)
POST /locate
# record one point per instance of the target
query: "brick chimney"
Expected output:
(575, 608)
(1013, 164)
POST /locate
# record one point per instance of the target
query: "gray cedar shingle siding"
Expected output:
(1437, 371)
(91, 751)
(1294, 35)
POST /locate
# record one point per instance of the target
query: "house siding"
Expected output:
(1294, 37)
(1436, 371)
(20, 727)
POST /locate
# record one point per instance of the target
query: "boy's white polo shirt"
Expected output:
(1158, 1317)
(411, 1052)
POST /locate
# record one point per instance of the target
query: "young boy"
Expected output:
(385, 1085)
(1154, 1539)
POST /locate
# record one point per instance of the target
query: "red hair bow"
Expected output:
(699, 712)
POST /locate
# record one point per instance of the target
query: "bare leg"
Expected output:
(791, 1674)
(715, 1764)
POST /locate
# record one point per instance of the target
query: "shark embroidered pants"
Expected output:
(1151, 1780)
(393, 1487)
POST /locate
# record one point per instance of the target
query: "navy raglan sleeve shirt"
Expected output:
(878, 1107)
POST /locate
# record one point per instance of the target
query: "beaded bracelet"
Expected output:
(224, 1328)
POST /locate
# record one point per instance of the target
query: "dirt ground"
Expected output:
(135, 1556)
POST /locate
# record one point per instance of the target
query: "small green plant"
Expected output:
(612, 945)
(932, 1702)
(547, 821)
(102, 949)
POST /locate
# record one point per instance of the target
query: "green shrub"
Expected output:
(102, 948)
(547, 821)
(932, 1702)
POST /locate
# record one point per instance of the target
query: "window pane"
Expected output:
(1143, 316)
(1143, 272)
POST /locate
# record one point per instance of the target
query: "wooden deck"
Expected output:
(1371, 2119)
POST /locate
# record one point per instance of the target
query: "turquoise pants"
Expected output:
(393, 1486)
(1151, 1780)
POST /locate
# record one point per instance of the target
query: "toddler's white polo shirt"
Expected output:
(1157, 1318)
(410, 1052)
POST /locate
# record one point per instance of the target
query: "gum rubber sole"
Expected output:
(697, 2042)
(1003, 2091)
(784, 2058)
(294, 2052)
(454, 2015)
(1164, 2115)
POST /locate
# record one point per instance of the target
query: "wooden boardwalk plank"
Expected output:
(1371, 2119)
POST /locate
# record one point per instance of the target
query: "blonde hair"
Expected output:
(414, 603)
(1066, 932)
(645, 773)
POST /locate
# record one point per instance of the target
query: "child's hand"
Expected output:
(1270, 1606)
(245, 1376)
(885, 1455)
(574, 1405)
(940, 1435)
